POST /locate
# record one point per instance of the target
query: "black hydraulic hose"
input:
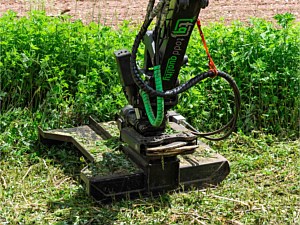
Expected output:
(232, 123)
(192, 82)
(136, 75)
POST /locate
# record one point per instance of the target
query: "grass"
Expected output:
(43, 83)
(41, 186)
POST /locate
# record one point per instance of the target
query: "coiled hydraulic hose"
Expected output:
(146, 89)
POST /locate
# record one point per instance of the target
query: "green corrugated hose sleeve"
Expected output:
(155, 121)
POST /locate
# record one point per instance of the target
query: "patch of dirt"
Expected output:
(112, 12)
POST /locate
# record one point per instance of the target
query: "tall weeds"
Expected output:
(64, 71)
(264, 59)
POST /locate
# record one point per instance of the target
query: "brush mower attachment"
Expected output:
(150, 149)
(116, 170)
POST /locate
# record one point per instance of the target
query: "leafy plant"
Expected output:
(65, 71)
(55, 73)
(264, 61)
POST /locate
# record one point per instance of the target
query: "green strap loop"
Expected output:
(155, 121)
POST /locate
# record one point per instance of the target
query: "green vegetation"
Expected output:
(56, 73)
(264, 60)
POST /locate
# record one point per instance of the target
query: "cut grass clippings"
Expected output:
(41, 185)
(55, 73)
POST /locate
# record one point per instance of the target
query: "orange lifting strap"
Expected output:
(211, 63)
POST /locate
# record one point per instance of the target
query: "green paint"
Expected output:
(182, 27)
(170, 69)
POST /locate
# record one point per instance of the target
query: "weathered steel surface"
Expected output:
(113, 173)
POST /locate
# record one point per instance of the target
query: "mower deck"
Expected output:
(117, 174)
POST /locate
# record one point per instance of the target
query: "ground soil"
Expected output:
(112, 12)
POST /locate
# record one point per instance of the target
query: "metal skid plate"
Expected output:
(113, 174)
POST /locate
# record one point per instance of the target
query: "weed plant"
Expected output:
(66, 70)
(55, 73)
(264, 60)
(56, 66)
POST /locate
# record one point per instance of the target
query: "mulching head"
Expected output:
(116, 170)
